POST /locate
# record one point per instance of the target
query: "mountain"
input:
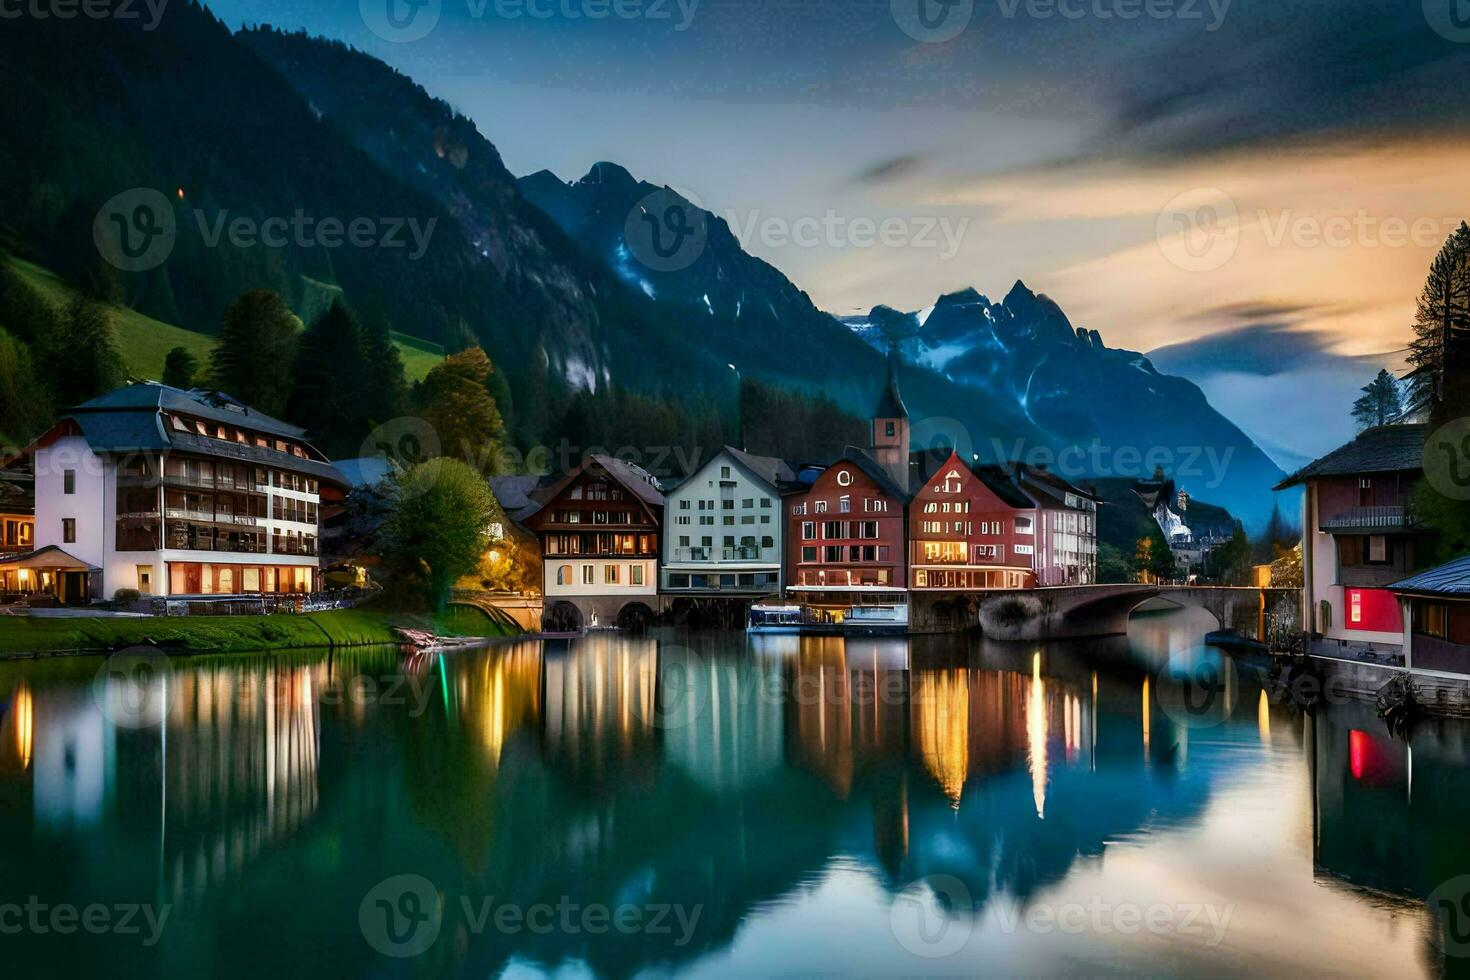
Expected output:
(1124, 415)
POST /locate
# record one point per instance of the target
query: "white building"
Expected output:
(723, 527)
(179, 493)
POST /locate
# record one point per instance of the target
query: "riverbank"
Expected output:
(31, 636)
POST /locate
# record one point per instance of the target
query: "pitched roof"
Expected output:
(517, 494)
(1045, 487)
(770, 469)
(1385, 449)
(213, 405)
(890, 402)
(129, 420)
(1451, 580)
(631, 477)
(925, 463)
(875, 472)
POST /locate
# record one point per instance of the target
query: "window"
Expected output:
(724, 472)
(821, 507)
(68, 530)
(1324, 615)
(145, 579)
(1365, 492)
(1431, 619)
(1377, 549)
(564, 575)
(589, 575)
(1023, 525)
(610, 574)
(635, 574)
(889, 428)
(68, 481)
(808, 554)
(1355, 607)
(844, 478)
(808, 530)
(844, 505)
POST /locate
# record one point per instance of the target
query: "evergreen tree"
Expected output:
(455, 400)
(80, 360)
(180, 368)
(254, 351)
(328, 397)
(383, 377)
(1443, 308)
(1381, 402)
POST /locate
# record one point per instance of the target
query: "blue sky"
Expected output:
(1258, 177)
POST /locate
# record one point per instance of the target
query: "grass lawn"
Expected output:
(232, 634)
(144, 342)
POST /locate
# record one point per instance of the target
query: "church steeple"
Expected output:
(890, 433)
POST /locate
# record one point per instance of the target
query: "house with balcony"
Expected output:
(970, 527)
(1360, 537)
(185, 494)
(599, 530)
(725, 528)
(1063, 529)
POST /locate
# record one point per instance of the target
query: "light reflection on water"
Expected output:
(826, 805)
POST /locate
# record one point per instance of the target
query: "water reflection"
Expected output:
(789, 788)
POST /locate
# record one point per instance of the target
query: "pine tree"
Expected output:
(180, 368)
(1381, 402)
(1444, 307)
(80, 359)
(254, 351)
(328, 396)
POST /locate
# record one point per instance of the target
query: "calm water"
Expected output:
(716, 805)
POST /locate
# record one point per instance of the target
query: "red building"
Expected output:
(969, 528)
(845, 536)
(1360, 535)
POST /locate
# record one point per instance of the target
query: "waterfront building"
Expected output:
(599, 530)
(1360, 536)
(725, 530)
(1435, 609)
(970, 527)
(846, 533)
(1064, 529)
(173, 493)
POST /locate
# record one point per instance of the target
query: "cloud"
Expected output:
(893, 168)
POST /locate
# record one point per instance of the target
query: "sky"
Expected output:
(1253, 188)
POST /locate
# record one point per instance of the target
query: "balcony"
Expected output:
(207, 517)
(721, 554)
(290, 546)
(1385, 518)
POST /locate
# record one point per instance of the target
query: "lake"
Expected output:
(722, 805)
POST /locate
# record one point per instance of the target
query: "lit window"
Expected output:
(844, 478)
(1355, 606)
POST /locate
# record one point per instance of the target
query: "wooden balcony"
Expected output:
(1359, 519)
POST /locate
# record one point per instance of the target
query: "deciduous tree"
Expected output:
(437, 532)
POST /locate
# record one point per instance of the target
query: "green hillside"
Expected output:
(144, 342)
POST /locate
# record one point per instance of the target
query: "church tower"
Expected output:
(890, 435)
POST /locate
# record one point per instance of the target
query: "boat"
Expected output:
(778, 616)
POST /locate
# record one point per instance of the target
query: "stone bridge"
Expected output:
(1078, 611)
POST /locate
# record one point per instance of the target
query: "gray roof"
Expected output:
(365, 471)
(768, 468)
(213, 405)
(129, 420)
(1385, 449)
(517, 494)
(1451, 580)
(635, 478)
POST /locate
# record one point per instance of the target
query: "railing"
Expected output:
(1381, 518)
(720, 554)
(290, 547)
